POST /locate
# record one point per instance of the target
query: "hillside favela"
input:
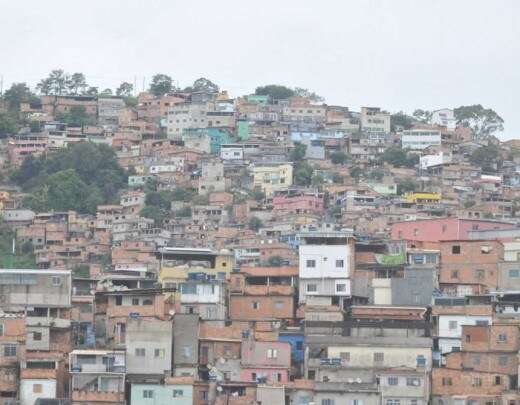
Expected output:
(182, 246)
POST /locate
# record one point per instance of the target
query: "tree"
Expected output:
(338, 157)
(397, 157)
(484, 122)
(106, 93)
(57, 83)
(275, 91)
(7, 125)
(301, 92)
(258, 195)
(77, 116)
(422, 115)
(161, 84)
(356, 172)
(77, 83)
(488, 158)
(125, 89)
(406, 185)
(303, 174)
(79, 177)
(203, 84)
(92, 91)
(317, 180)
(400, 120)
(376, 174)
(297, 152)
(255, 224)
(18, 93)
(337, 178)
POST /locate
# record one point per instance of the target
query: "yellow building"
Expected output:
(423, 197)
(270, 177)
(181, 264)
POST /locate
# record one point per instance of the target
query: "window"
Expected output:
(357, 402)
(444, 228)
(341, 288)
(119, 300)
(514, 273)
(480, 274)
(413, 382)
(1, 329)
(140, 352)
(379, 357)
(503, 360)
(452, 325)
(56, 281)
(454, 274)
(159, 353)
(468, 338)
(502, 337)
(498, 380)
(278, 304)
(476, 360)
(393, 402)
(147, 393)
(312, 288)
(393, 381)
(135, 301)
(446, 381)
(340, 264)
(178, 393)
(482, 323)
(9, 350)
(37, 336)
(37, 388)
(277, 377)
(204, 395)
(272, 353)
(414, 402)
(455, 249)
(253, 376)
(186, 352)
(311, 263)
(476, 382)
(256, 305)
(345, 356)
(327, 401)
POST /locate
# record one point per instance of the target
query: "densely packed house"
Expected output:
(262, 251)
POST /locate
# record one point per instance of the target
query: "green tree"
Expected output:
(106, 93)
(303, 174)
(301, 92)
(155, 213)
(203, 84)
(125, 89)
(488, 158)
(161, 84)
(356, 172)
(92, 91)
(317, 180)
(400, 120)
(337, 178)
(18, 93)
(255, 224)
(7, 125)
(258, 195)
(76, 116)
(376, 174)
(423, 116)
(77, 84)
(275, 91)
(338, 157)
(81, 271)
(297, 152)
(406, 185)
(484, 122)
(397, 157)
(57, 83)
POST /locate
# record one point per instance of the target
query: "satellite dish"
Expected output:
(350, 380)
(358, 380)
(219, 388)
(222, 360)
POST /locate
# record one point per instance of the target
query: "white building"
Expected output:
(374, 120)
(182, 116)
(444, 117)
(427, 161)
(326, 262)
(419, 139)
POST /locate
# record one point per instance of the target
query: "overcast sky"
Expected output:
(397, 54)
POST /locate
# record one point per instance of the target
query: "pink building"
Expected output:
(21, 146)
(301, 204)
(442, 229)
(265, 360)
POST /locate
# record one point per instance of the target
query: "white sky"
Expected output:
(397, 54)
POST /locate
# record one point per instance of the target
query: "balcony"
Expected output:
(48, 322)
(98, 396)
(97, 368)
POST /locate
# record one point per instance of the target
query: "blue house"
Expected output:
(296, 338)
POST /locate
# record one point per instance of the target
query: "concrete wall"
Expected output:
(325, 257)
(162, 394)
(185, 339)
(152, 335)
(27, 388)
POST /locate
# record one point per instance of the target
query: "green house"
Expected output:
(153, 394)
